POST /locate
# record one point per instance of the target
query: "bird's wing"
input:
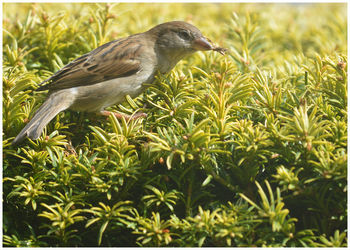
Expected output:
(109, 61)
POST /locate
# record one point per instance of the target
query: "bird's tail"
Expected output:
(56, 103)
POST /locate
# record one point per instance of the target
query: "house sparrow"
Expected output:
(104, 76)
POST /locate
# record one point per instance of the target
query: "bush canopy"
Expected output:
(246, 149)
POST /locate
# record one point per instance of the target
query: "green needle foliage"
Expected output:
(248, 149)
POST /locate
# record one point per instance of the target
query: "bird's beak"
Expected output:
(201, 43)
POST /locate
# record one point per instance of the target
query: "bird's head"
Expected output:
(181, 36)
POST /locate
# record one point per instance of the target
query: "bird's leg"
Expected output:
(70, 149)
(126, 117)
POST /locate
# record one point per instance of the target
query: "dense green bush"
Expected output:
(246, 149)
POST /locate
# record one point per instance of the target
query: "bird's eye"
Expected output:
(184, 35)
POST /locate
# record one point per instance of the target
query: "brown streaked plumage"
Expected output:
(104, 76)
(95, 66)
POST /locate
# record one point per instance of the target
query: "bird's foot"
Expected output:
(126, 117)
(70, 150)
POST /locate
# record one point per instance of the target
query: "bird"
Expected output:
(105, 75)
